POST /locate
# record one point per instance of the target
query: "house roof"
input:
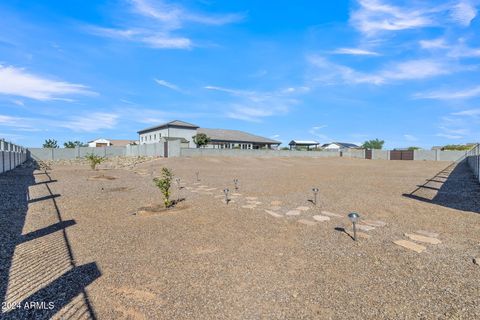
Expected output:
(121, 143)
(235, 136)
(174, 123)
(303, 142)
(341, 144)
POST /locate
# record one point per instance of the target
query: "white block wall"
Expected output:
(11, 156)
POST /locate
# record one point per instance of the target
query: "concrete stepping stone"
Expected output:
(374, 223)
(251, 198)
(410, 245)
(196, 183)
(274, 214)
(249, 206)
(293, 213)
(364, 227)
(188, 188)
(219, 196)
(210, 189)
(321, 218)
(274, 208)
(307, 222)
(276, 203)
(303, 208)
(331, 214)
(203, 186)
(236, 194)
(427, 233)
(253, 202)
(419, 238)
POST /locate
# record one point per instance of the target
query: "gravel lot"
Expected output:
(206, 259)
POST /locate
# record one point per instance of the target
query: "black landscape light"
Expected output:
(226, 195)
(235, 181)
(178, 182)
(197, 173)
(315, 193)
(354, 217)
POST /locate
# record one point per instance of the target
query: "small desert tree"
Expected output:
(164, 183)
(73, 144)
(373, 144)
(201, 139)
(94, 160)
(50, 143)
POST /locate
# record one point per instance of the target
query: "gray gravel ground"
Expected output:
(209, 260)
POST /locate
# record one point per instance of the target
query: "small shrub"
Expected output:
(94, 160)
(164, 183)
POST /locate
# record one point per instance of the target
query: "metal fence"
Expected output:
(473, 158)
(11, 156)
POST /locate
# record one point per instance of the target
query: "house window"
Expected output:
(155, 137)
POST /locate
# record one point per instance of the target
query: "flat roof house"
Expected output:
(219, 138)
(110, 142)
(303, 144)
(339, 145)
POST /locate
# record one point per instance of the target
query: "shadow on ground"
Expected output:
(39, 278)
(454, 187)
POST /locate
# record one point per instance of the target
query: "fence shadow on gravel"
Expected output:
(38, 272)
(454, 187)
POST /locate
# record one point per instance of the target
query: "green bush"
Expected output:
(94, 160)
(164, 184)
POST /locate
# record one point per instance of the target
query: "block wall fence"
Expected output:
(473, 158)
(11, 156)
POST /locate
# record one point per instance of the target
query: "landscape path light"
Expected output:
(235, 181)
(197, 173)
(354, 217)
(178, 182)
(226, 195)
(315, 193)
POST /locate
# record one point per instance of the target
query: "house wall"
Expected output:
(170, 132)
(332, 146)
(93, 144)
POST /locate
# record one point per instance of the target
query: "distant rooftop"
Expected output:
(342, 144)
(174, 123)
(225, 135)
(303, 142)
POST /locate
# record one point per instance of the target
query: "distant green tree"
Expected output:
(201, 139)
(414, 148)
(457, 147)
(50, 143)
(373, 144)
(74, 144)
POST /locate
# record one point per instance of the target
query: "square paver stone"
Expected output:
(410, 245)
(307, 222)
(331, 214)
(274, 214)
(364, 227)
(419, 238)
(303, 208)
(293, 213)
(427, 233)
(321, 218)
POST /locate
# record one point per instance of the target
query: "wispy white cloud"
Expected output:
(446, 94)
(449, 136)
(468, 113)
(91, 122)
(355, 51)
(373, 16)
(315, 131)
(18, 82)
(167, 84)
(406, 70)
(439, 43)
(153, 23)
(253, 106)
(410, 137)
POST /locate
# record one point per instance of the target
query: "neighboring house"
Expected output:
(339, 146)
(235, 139)
(110, 142)
(172, 129)
(219, 138)
(303, 144)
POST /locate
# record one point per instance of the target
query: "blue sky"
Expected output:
(403, 71)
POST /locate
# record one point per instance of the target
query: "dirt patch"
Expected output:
(160, 209)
